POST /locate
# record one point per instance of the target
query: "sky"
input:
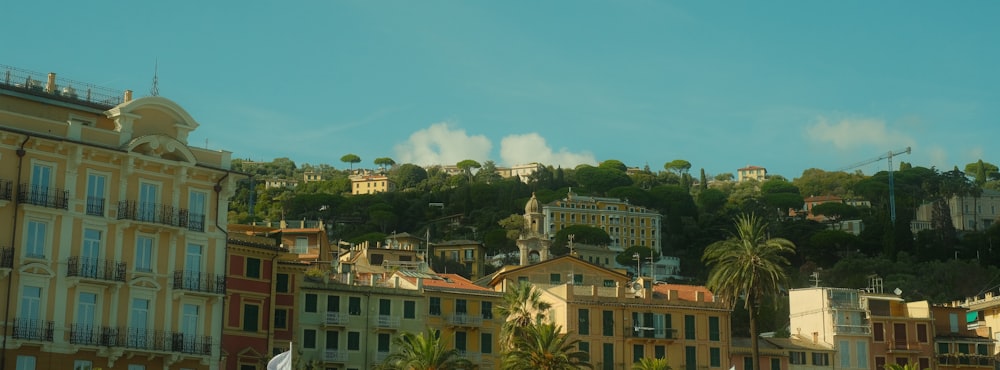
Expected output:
(785, 85)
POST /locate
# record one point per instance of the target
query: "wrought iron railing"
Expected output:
(43, 196)
(94, 268)
(85, 334)
(72, 91)
(192, 344)
(7, 257)
(196, 222)
(33, 329)
(464, 319)
(152, 212)
(199, 282)
(335, 355)
(147, 339)
(6, 190)
(95, 206)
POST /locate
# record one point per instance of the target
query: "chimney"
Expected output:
(50, 86)
(128, 96)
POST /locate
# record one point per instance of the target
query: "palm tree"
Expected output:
(543, 347)
(649, 363)
(748, 265)
(522, 307)
(425, 351)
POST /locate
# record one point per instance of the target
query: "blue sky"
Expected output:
(787, 85)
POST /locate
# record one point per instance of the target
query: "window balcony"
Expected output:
(335, 318)
(195, 221)
(335, 355)
(91, 335)
(43, 196)
(7, 258)
(199, 282)
(146, 340)
(33, 329)
(158, 340)
(461, 319)
(97, 269)
(650, 332)
(95, 206)
(386, 321)
(155, 213)
(6, 190)
(191, 344)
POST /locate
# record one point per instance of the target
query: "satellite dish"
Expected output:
(898, 291)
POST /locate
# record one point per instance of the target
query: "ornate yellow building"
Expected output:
(112, 255)
(627, 224)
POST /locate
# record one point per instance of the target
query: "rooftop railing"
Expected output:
(36, 83)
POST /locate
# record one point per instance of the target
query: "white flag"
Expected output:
(283, 361)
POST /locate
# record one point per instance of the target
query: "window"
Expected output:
(953, 322)
(82, 365)
(554, 278)
(251, 315)
(522, 279)
(609, 283)
(922, 333)
(353, 341)
(309, 338)
(409, 309)
(845, 353)
(878, 332)
(136, 367)
(383, 342)
(487, 310)
(139, 319)
(435, 306)
(461, 306)
(143, 254)
(281, 319)
(469, 255)
(95, 194)
(748, 363)
(282, 284)
(638, 352)
(689, 330)
(583, 321)
(578, 279)
(584, 346)
(486, 343)
(196, 210)
(690, 358)
(384, 307)
(354, 306)
(253, 268)
(713, 328)
(821, 359)
(248, 367)
(31, 304)
(609, 356)
(879, 362)
(714, 357)
(25, 363)
(925, 363)
(86, 308)
(332, 340)
(35, 238)
(332, 303)
(190, 317)
(608, 327)
(863, 355)
(460, 341)
(311, 302)
(797, 358)
(775, 364)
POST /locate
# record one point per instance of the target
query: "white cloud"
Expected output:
(444, 145)
(939, 158)
(527, 148)
(852, 133)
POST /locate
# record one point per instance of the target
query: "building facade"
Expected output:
(748, 173)
(369, 183)
(968, 213)
(115, 256)
(627, 224)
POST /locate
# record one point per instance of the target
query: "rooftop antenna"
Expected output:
(155, 90)
(815, 279)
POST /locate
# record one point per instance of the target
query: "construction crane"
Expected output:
(892, 193)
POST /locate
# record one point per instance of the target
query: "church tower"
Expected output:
(533, 244)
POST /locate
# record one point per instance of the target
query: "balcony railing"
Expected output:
(33, 329)
(334, 355)
(462, 319)
(199, 282)
(77, 92)
(153, 213)
(196, 222)
(146, 339)
(650, 332)
(6, 190)
(98, 269)
(88, 334)
(192, 344)
(43, 196)
(335, 318)
(95, 206)
(852, 329)
(7, 257)
(386, 321)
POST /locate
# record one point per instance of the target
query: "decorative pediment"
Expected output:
(38, 269)
(144, 282)
(161, 146)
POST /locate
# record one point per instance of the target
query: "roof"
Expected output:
(444, 282)
(491, 280)
(456, 242)
(684, 292)
(747, 168)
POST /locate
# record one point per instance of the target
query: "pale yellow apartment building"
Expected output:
(620, 321)
(371, 183)
(112, 253)
(834, 318)
(627, 224)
